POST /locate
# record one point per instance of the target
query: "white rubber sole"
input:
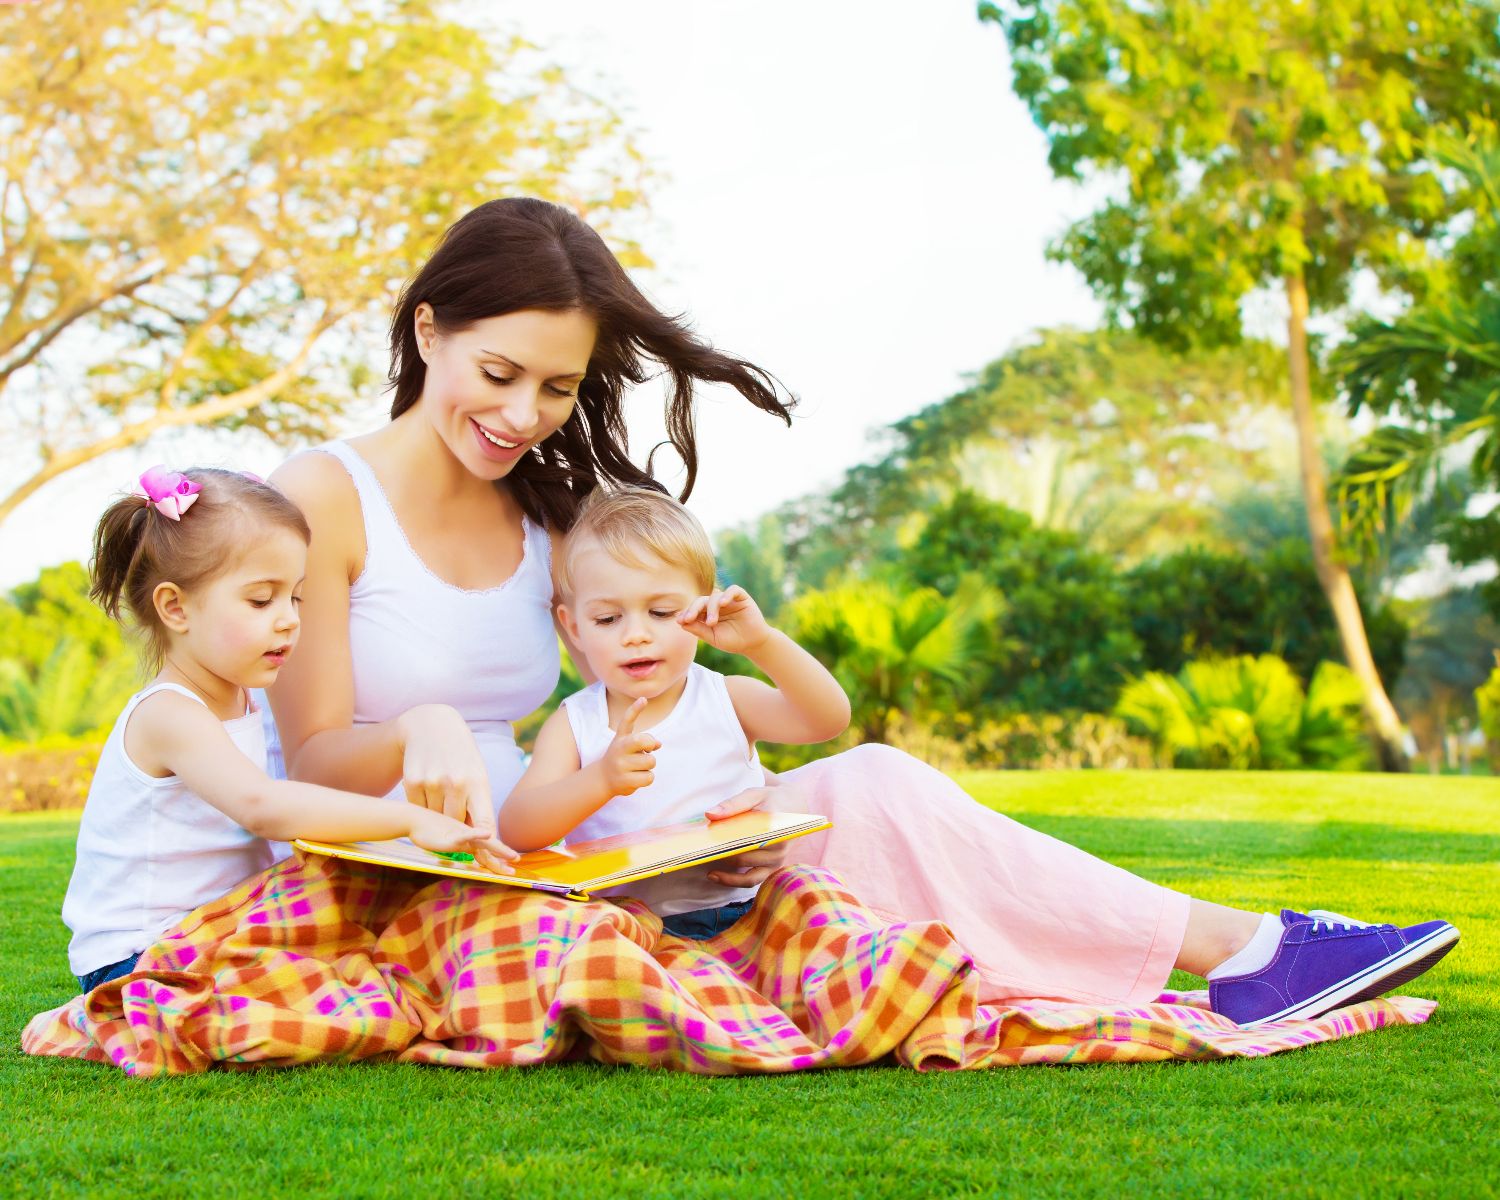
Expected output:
(1375, 980)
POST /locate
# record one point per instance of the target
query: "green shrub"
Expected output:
(1487, 697)
(1197, 603)
(1249, 713)
(1029, 741)
(895, 650)
(1061, 639)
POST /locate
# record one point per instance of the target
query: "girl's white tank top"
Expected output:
(416, 639)
(704, 758)
(150, 851)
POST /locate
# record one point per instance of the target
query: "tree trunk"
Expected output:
(1332, 574)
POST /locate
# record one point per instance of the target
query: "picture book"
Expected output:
(575, 870)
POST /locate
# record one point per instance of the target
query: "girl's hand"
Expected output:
(753, 867)
(442, 769)
(630, 759)
(730, 620)
(434, 831)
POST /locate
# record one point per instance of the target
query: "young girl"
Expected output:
(208, 565)
(637, 581)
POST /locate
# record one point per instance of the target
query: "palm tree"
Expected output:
(73, 693)
(1434, 373)
(894, 650)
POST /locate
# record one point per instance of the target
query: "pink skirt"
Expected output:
(1042, 919)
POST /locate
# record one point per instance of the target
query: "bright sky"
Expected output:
(851, 197)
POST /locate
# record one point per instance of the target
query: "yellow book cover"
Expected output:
(576, 870)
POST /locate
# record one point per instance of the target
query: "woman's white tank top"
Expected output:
(417, 639)
(150, 851)
(704, 758)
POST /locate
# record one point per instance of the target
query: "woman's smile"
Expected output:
(496, 446)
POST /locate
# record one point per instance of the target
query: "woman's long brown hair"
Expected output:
(522, 253)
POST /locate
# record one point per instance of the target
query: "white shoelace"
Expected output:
(1322, 919)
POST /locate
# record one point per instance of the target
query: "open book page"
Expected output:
(577, 869)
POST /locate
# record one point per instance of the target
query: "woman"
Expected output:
(428, 629)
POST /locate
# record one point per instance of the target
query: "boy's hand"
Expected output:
(729, 620)
(630, 759)
(434, 831)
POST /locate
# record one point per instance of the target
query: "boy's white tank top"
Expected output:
(150, 851)
(704, 758)
(417, 639)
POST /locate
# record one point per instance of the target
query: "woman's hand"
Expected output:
(729, 620)
(630, 760)
(442, 769)
(753, 867)
(435, 831)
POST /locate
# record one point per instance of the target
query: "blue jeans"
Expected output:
(704, 923)
(104, 974)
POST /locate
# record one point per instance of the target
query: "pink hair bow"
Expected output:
(171, 492)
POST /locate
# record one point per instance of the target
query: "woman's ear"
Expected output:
(426, 330)
(167, 598)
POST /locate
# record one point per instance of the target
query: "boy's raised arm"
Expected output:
(806, 705)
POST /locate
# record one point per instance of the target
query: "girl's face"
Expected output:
(240, 626)
(495, 390)
(624, 621)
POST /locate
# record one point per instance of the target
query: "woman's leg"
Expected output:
(1044, 920)
(1041, 918)
(1214, 933)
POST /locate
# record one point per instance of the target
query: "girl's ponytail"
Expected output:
(119, 540)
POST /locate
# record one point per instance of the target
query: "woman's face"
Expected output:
(496, 389)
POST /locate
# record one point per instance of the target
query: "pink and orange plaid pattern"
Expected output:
(322, 959)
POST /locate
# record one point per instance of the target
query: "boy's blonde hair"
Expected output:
(635, 524)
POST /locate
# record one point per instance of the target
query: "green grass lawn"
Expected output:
(1408, 1111)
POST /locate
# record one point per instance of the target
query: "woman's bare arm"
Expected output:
(313, 698)
(428, 749)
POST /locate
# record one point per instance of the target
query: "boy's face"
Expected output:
(624, 621)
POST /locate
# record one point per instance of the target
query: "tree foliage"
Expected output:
(1098, 433)
(1449, 655)
(203, 207)
(65, 668)
(1433, 375)
(1250, 141)
(1063, 639)
(1199, 603)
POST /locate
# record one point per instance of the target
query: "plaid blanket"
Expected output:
(319, 959)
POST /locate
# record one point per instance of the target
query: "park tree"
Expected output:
(204, 207)
(1432, 375)
(1062, 639)
(1254, 144)
(1102, 433)
(1099, 433)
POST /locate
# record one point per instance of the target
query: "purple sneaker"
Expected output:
(1326, 961)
